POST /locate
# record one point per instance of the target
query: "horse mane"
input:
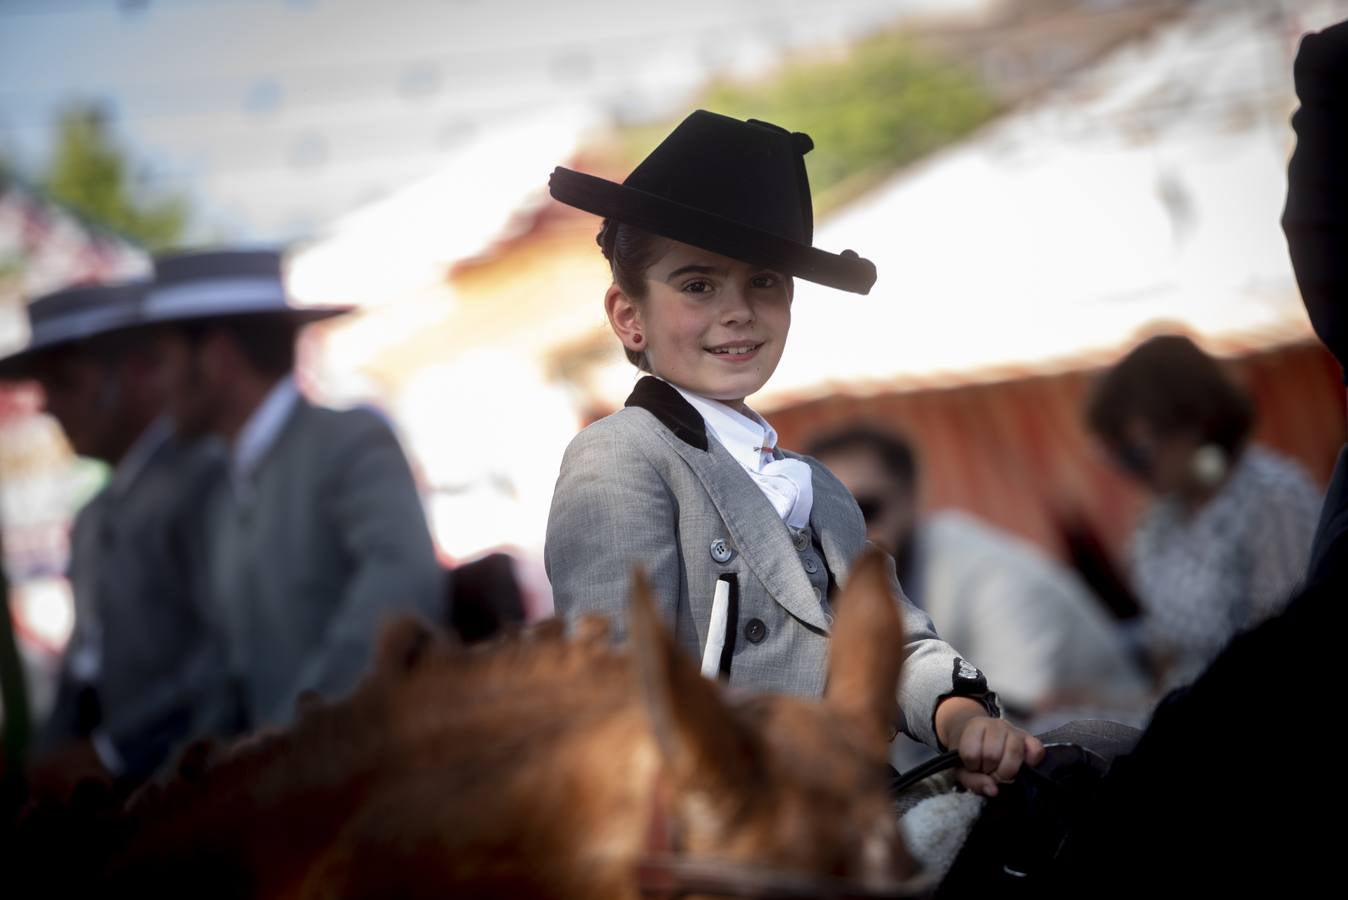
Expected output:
(533, 764)
(537, 665)
(519, 696)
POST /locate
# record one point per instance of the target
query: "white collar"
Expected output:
(136, 457)
(263, 427)
(748, 438)
(751, 442)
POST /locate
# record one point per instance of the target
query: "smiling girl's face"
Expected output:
(708, 323)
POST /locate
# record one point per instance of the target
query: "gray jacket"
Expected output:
(646, 487)
(324, 539)
(138, 572)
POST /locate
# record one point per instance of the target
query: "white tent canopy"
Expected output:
(1148, 188)
(406, 243)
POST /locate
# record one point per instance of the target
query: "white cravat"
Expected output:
(787, 483)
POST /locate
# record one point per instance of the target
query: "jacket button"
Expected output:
(818, 594)
(801, 539)
(720, 551)
(811, 565)
(755, 631)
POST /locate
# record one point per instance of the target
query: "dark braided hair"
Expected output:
(1173, 386)
(630, 251)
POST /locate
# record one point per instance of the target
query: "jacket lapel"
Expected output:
(755, 528)
(830, 504)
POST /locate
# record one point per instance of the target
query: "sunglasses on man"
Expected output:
(1135, 459)
(872, 507)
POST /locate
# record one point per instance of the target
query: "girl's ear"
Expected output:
(624, 317)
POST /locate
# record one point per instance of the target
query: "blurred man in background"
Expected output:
(1027, 622)
(319, 532)
(139, 660)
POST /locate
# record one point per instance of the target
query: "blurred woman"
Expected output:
(1227, 536)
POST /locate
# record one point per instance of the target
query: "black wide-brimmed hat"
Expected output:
(72, 315)
(735, 188)
(218, 284)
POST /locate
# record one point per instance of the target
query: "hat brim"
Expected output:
(20, 364)
(670, 219)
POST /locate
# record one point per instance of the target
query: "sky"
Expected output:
(274, 117)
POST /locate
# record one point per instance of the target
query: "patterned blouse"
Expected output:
(1226, 568)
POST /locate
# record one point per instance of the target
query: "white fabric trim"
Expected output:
(716, 628)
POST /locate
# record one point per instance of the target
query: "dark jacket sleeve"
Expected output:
(1316, 224)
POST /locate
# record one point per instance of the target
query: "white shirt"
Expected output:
(263, 427)
(751, 440)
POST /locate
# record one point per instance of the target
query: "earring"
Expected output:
(1209, 465)
(636, 338)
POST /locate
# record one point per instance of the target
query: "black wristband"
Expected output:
(967, 681)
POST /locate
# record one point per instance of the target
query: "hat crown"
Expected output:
(202, 265)
(752, 173)
(735, 188)
(216, 284)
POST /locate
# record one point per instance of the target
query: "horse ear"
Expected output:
(699, 740)
(403, 643)
(866, 652)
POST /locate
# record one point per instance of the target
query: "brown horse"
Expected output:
(545, 765)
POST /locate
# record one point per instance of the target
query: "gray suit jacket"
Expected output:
(138, 571)
(646, 487)
(321, 542)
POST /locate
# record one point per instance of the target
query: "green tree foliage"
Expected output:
(876, 108)
(92, 175)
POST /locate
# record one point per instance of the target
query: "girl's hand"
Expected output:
(992, 750)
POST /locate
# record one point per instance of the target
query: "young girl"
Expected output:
(744, 543)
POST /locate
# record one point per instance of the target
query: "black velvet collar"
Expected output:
(675, 413)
